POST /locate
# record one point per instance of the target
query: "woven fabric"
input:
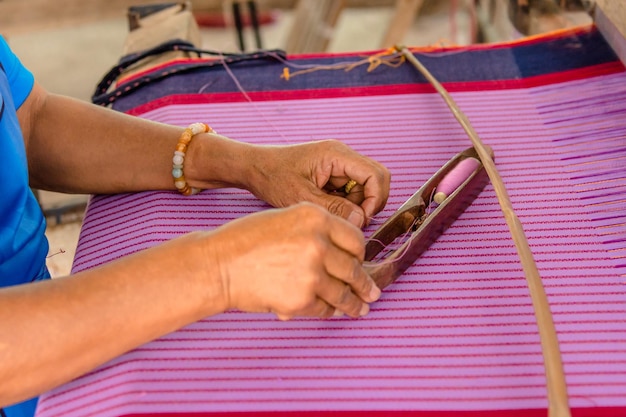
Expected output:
(456, 334)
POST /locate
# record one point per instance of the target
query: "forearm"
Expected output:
(54, 331)
(77, 147)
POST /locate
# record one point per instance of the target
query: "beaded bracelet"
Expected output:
(179, 157)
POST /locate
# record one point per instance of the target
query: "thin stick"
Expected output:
(557, 389)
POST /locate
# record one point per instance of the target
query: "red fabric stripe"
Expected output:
(541, 80)
(428, 49)
(576, 412)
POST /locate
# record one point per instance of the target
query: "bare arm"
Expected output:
(299, 261)
(77, 147)
(56, 330)
(305, 261)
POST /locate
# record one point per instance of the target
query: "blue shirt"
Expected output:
(23, 244)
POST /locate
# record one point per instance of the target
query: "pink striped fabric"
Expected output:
(457, 331)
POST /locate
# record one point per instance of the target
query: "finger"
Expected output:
(355, 194)
(341, 297)
(375, 191)
(319, 308)
(338, 206)
(348, 269)
(373, 180)
(370, 193)
(322, 309)
(346, 236)
(344, 164)
(336, 184)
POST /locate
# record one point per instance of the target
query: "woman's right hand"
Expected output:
(296, 261)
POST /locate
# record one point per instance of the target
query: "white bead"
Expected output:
(178, 160)
(196, 128)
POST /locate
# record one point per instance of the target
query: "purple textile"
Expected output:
(457, 331)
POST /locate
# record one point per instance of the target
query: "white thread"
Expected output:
(247, 97)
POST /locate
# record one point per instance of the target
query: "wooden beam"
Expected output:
(610, 18)
(313, 25)
(404, 15)
(615, 11)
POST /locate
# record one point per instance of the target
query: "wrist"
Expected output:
(227, 271)
(216, 279)
(215, 161)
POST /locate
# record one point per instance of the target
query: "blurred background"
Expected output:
(70, 44)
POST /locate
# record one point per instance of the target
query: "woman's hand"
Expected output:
(317, 172)
(298, 261)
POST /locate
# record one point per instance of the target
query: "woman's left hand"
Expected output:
(318, 172)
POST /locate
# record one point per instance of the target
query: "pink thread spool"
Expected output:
(454, 178)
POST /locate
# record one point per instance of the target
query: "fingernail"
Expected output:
(338, 313)
(356, 218)
(364, 310)
(374, 293)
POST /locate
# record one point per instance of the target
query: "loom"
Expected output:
(456, 334)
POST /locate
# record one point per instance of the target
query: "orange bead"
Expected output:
(186, 137)
(181, 146)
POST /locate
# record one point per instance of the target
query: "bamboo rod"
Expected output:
(558, 405)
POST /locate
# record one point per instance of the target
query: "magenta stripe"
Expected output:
(457, 331)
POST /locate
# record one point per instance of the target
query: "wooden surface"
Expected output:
(20, 16)
(615, 10)
(405, 13)
(313, 26)
(610, 18)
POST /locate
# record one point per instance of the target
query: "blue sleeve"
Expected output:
(21, 80)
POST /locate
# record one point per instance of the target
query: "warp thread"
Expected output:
(392, 59)
(389, 57)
